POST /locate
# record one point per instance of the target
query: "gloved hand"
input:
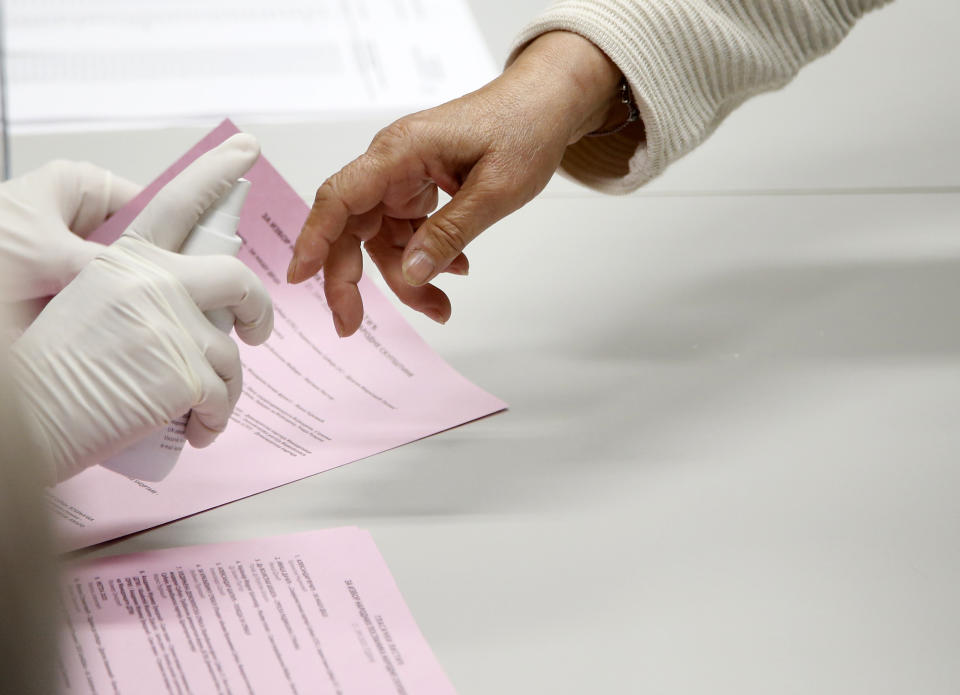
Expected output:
(125, 347)
(45, 216)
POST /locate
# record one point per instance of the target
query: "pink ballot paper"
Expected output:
(314, 612)
(311, 400)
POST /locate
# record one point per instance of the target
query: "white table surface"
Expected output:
(729, 465)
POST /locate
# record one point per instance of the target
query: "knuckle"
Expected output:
(232, 352)
(175, 207)
(326, 192)
(84, 168)
(253, 288)
(167, 283)
(236, 268)
(447, 236)
(238, 273)
(215, 422)
(332, 190)
(332, 195)
(143, 274)
(397, 132)
(60, 165)
(395, 144)
(215, 403)
(257, 331)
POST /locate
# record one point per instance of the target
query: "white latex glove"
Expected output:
(125, 348)
(45, 216)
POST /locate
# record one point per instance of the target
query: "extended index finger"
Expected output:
(169, 217)
(354, 190)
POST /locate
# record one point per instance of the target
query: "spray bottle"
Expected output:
(153, 457)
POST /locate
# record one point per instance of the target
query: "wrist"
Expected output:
(35, 418)
(578, 83)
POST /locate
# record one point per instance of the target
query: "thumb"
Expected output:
(480, 203)
(88, 194)
(173, 212)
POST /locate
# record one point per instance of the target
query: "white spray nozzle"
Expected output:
(225, 212)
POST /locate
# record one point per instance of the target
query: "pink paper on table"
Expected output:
(311, 400)
(314, 612)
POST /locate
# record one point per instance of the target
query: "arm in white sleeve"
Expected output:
(689, 64)
(28, 587)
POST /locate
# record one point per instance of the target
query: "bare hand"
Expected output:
(492, 150)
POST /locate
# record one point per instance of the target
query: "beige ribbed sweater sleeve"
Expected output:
(689, 64)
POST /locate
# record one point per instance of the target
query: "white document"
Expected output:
(122, 63)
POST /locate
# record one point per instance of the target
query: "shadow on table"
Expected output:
(612, 395)
(810, 312)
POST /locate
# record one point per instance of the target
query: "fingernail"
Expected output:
(292, 269)
(458, 271)
(436, 316)
(418, 268)
(338, 325)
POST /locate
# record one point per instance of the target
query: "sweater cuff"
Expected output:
(689, 64)
(612, 163)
